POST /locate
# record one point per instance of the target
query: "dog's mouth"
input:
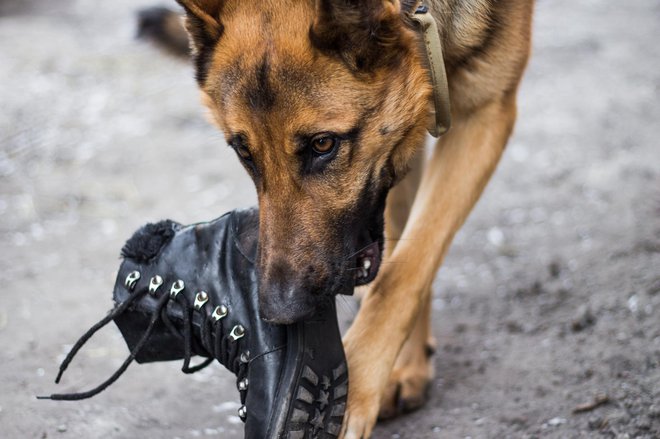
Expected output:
(367, 262)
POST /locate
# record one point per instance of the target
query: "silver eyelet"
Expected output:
(155, 283)
(200, 299)
(219, 313)
(243, 384)
(177, 287)
(237, 332)
(245, 357)
(131, 280)
(242, 412)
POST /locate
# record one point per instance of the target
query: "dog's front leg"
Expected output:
(461, 165)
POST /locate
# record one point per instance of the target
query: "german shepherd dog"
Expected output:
(326, 103)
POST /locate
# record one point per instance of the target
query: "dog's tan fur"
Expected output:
(383, 87)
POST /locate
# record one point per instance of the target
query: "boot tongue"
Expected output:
(147, 242)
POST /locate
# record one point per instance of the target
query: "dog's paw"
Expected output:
(360, 417)
(408, 385)
(367, 379)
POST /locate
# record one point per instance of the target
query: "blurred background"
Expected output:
(549, 298)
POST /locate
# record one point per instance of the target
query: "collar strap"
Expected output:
(429, 29)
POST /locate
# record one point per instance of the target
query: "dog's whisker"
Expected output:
(363, 248)
(382, 263)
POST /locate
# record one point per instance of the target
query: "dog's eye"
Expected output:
(324, 144)
(317, 152)
(238, 143)
(243, 152)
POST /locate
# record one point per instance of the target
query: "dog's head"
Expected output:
(324, 103)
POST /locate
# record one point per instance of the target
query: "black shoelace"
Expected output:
(218, 345)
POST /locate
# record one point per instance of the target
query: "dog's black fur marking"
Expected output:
(203, 53)
(356, 34)
(493, 32)
(203, 42)
(260, 94)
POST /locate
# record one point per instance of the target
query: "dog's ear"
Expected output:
(365, 34)
(205, 28)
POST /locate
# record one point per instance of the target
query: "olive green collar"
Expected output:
(429, 29)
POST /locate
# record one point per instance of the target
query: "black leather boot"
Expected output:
(191, 290)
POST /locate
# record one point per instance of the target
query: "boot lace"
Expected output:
(214, 341)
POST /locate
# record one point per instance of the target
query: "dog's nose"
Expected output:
(283, 296)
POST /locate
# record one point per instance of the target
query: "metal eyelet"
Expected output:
(219, 313)
(155, 283)
(200, 299)
(245, 357)
(242, 413)
(177, 287)
(131, 280)
(237, 332)
(243, 384)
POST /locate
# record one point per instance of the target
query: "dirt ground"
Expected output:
(549, 298)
